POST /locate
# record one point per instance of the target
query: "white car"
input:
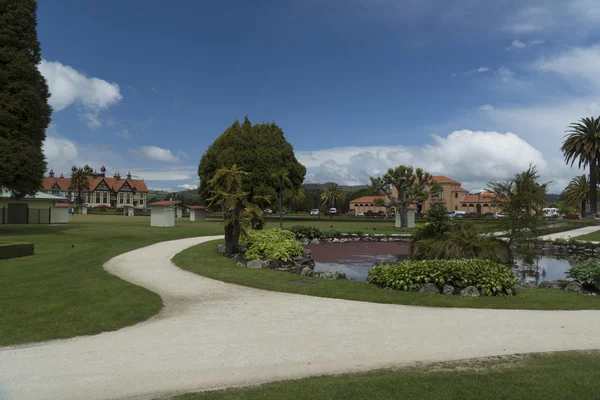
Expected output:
(314, 212)
(499, 215)
(268, 211)
(332, 210)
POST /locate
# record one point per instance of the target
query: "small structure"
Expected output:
(178, 212)
(162, 213)
(61, 213)
(411, 217)
(128, 211)
(197, 213)
(41, 208)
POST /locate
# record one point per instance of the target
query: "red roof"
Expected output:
(485, 197)
(368, 199)
(460, 189)
(197, 207)
(62, 205)
(165, 203)
(444, 179)
(113, 183)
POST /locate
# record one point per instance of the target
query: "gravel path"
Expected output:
(572, 233)
(215, 335)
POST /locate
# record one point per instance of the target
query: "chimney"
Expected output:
(51, 174)
(128, 174)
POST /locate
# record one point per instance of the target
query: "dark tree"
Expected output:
(261, 150)
(24, 109)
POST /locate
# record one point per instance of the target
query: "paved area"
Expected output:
(572, 233)
(214, 335)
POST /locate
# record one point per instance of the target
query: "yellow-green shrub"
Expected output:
(272, 244)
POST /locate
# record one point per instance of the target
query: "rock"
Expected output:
(470, 291)
(383, 239)
(344, 240)
(305, 241)
(332, 274)
(315, 241)
(240, 260)
(335, 240)
(430, 288)
(308, 253)
(221, 249)
(574, 287)
(258, 264)
(307, 271)
(448, 290)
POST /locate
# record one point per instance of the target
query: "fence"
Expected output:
(19, 213)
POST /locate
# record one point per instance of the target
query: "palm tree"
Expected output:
(578, 191)
(582, 144)
(296, 197)
(283, 181)
(333, 195)
(80, 182)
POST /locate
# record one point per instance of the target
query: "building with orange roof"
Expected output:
(115, 191)
(451, 194)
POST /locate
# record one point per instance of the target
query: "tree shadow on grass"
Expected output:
(26, 230)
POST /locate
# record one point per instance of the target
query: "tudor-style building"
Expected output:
(104, 191)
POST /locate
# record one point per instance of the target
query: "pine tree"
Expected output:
(24, 109)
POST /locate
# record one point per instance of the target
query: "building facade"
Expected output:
(104, 191)
(451, 194)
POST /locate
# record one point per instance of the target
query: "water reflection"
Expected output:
(542, 268)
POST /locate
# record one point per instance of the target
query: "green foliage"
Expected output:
(80, 183)
(333, 196)
(13, 250)
(586, 272)
(489, 277)
(437, 223)
(582, 144)
(24, 109)
(465, 242)
(331, 233)
(306, 232)
(272, 244)
(577, 192)
(260, 149)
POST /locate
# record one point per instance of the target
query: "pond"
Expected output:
(356, 259)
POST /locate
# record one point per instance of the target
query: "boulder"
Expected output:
(307, 271)
(448, 290)
(332, 274)
(305, 241)
(470, 291)
(574, 287)
(335, 240)
(430, 288)
(240, 260)
(315, 241)
(258, 264)
(221, 248)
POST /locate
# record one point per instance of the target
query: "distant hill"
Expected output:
(552, 197)
(321, 186)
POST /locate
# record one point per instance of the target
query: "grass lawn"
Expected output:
(568, 375)
(590, 237)
(63, 291)
(204, 260)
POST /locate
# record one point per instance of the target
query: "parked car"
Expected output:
(573, 216)
(362, 214)
(489, 215)
(333, 210)
(456, 214)
(267, 211)
(314, 211)
(499, 215)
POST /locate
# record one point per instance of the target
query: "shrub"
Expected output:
(586, 272)
(306, 232)
(437, 223)
(272, 244)
(13, 250)
(489, 277)
(330, 233)
(463, 243)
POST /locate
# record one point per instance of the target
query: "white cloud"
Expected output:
(68, 86)
(530, 19)
(179, 173)
(155, 90)
(536, 42)
(188, 186)
(158, 154)
(479, 70)
(487, 107)
(516, 44)
(471, 157)
(59, 151)
(182, 154)
(505, 74)
(576, 64)
(124, 133)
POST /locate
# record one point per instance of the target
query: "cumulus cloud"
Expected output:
(487, 107)
(124, 133)
(516, 44)
(59, 151)
(159, 154)
(69, 86)
(479, 70)
(188, 186)
(473, 158)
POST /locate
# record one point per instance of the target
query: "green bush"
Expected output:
(12, 250)
(489, 277)
(586, 272)
(306, 232)
(331, 233)
(463, 243)
(272, 244)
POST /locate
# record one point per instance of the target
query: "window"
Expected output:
(105, 197)
(97, 197)
(455, 208)
(128, 198)
(456, 195)
(121, 198)
(441, 194)
(141, 201)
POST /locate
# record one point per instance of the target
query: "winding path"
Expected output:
(215, 335)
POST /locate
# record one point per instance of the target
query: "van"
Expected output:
(550, 212)
(456, 214)
(333, 210)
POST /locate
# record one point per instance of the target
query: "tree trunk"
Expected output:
(402, 218)
(593, 186)
(583, 207)
(232, 233)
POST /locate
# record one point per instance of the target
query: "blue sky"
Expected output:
(470, 90)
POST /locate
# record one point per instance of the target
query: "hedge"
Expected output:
(489, 277)
(13, 250)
